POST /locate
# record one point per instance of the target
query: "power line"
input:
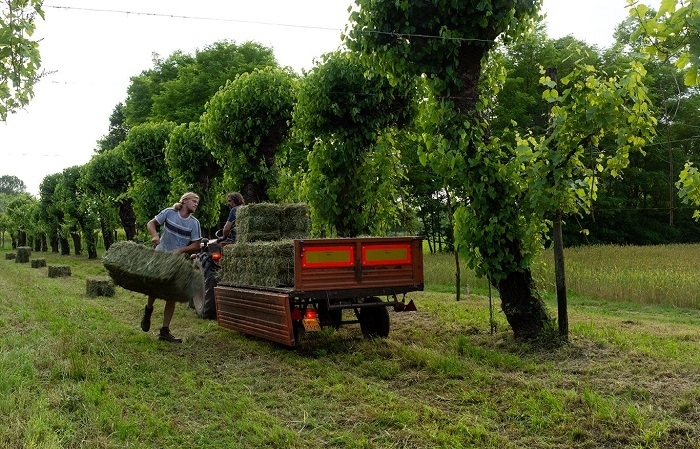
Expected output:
(276, 24)
(184, 17)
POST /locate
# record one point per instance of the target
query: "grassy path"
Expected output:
(77, 372)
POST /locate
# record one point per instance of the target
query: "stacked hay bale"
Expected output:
(10, 256)
(263, 254)
(23, 253)
(144, 270)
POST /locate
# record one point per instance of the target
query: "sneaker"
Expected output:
(146, 319)
(165, 335)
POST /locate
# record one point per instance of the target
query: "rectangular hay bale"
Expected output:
(99, 286)
(268, 222)
(57, 271)
(144, 270)
(38, 263)
(260, 264)
(23, 253)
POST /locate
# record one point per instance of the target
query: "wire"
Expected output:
(177, 16)
(277, 24)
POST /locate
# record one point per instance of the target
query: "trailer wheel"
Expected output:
(203, 301)
(374, 321)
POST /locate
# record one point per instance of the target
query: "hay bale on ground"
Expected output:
(266, 222)
(144, 270)
(57, 271)
(38, 263)
(99, 286)
(23, 253)
(10, 256)
(261, 264)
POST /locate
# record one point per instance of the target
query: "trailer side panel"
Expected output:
(261, 313)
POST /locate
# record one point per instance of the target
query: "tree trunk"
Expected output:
(106, 234)
(77, 243)
(65, 247)
(128, 218)
(524, 309)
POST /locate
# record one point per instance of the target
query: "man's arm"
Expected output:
(193, 247)
(227, 228)
(152, 229)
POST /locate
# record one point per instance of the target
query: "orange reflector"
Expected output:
(310, 314)
(296, 314)
(410, 307)
(216, 256)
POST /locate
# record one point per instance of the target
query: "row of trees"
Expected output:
(423, 115)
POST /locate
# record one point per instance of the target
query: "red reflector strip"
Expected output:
(216, 256)
(328, 256)
(386, 254)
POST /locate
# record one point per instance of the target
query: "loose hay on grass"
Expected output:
(144, 270)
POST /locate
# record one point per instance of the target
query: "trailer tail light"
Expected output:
(310, 321)
(216, 257)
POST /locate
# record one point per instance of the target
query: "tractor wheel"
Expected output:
(203, 301)
(374, 321)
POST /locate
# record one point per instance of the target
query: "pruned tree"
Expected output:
(345, 118)
(244, 125)
(193, 168)
(144, 153)
(447, 44)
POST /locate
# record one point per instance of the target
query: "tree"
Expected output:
(11, 185)
(500, 221)
(176, 89)
(244, 125)
(144, 153)
(118, 130)
(20, 60)
(194, 168)
(671, 34)
(343, 117)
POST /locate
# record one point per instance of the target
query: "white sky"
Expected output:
(94, 53)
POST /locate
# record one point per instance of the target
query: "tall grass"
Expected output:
(663, 274)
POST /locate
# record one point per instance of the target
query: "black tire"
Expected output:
(203, 301)
(374, 321)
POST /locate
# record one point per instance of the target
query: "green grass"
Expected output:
(77, 372)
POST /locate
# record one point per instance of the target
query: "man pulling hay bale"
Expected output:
(144, 270)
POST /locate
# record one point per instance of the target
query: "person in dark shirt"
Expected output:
(233, 200)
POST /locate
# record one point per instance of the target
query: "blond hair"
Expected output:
(185, 197)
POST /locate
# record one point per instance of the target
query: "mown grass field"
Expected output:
(77, 372)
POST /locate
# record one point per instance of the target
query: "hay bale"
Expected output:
(57, 271)
(257, 222)
(261, 264)
(144, 270)
(295, 221)
(23, 253)
(10, 256)
(267, 222)
(99, 286)
(38, 263)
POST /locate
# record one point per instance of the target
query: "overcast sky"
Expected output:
(93, 47)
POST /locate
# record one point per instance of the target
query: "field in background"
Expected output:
(663, 274)
(77, 372)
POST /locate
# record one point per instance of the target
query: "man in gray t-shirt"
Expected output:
(181, 234)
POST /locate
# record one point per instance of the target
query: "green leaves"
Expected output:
(20, 60)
